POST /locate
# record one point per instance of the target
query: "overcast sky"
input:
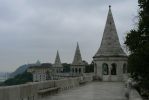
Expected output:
(32, 30)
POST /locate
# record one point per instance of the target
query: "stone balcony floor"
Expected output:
(92, 91)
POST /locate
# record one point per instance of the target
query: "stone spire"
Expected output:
(57, 60)
(110, 45)
(77, 58)
(38, 62)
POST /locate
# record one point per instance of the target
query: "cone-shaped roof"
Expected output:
(77, 57)
(57, 60)
(110, 45)
(38, 62)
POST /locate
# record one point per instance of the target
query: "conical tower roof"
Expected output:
(110, 45)
(57, 60)
(77, 57)
(38, 62)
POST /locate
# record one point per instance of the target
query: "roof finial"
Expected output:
(109, 6)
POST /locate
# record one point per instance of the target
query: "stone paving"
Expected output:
(92, 91)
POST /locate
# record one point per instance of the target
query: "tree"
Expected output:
(89, 68)
(137, 40)
(19, 79)
(66, 67)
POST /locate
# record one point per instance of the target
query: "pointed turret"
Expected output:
(77, 58)
(110, 45)
(57, 60)
(38, 63)
(110, 57)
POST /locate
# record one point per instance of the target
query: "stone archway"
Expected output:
(113, 69)
(105, 69)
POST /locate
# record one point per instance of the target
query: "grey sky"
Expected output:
(35, 29)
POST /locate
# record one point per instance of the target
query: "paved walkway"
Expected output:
(92, 91)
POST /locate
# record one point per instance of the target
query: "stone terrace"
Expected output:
(93, 91)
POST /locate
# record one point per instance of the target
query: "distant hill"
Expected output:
(22, 69)
(19, 70)
(4, 76)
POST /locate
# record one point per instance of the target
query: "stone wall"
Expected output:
(30, 91)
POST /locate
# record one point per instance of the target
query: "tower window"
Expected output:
(76, 70)
(72, 69)
(113, 69)
(105, 69)
(79, 70)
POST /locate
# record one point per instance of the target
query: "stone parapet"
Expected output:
(131, 93)
(30, 91)
(134, 95)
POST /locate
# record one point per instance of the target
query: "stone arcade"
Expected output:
(110, 61)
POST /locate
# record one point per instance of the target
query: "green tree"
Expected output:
(89, 68)
(19, 79)
(66, 67)
(137, 40)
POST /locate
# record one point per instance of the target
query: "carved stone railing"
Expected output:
(36, 90)
(131, 93)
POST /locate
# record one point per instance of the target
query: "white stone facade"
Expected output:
(40, 73)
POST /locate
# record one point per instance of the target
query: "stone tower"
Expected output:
(77, 67)
(58, 68)
(110, 61)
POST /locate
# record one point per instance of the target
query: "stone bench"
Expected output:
(82, 82)
(48, 91)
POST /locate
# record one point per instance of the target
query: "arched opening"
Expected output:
(105, 69)
(73, 70)
(124, 68)
(76, 70)
(79, 70)
(113, 69)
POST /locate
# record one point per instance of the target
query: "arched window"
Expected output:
(72, 69)
(76, 70)
(105, 69)
(124, 68)
(79, 70)
(113, 69)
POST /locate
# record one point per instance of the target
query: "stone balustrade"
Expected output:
(132, 93)
(30, 91)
